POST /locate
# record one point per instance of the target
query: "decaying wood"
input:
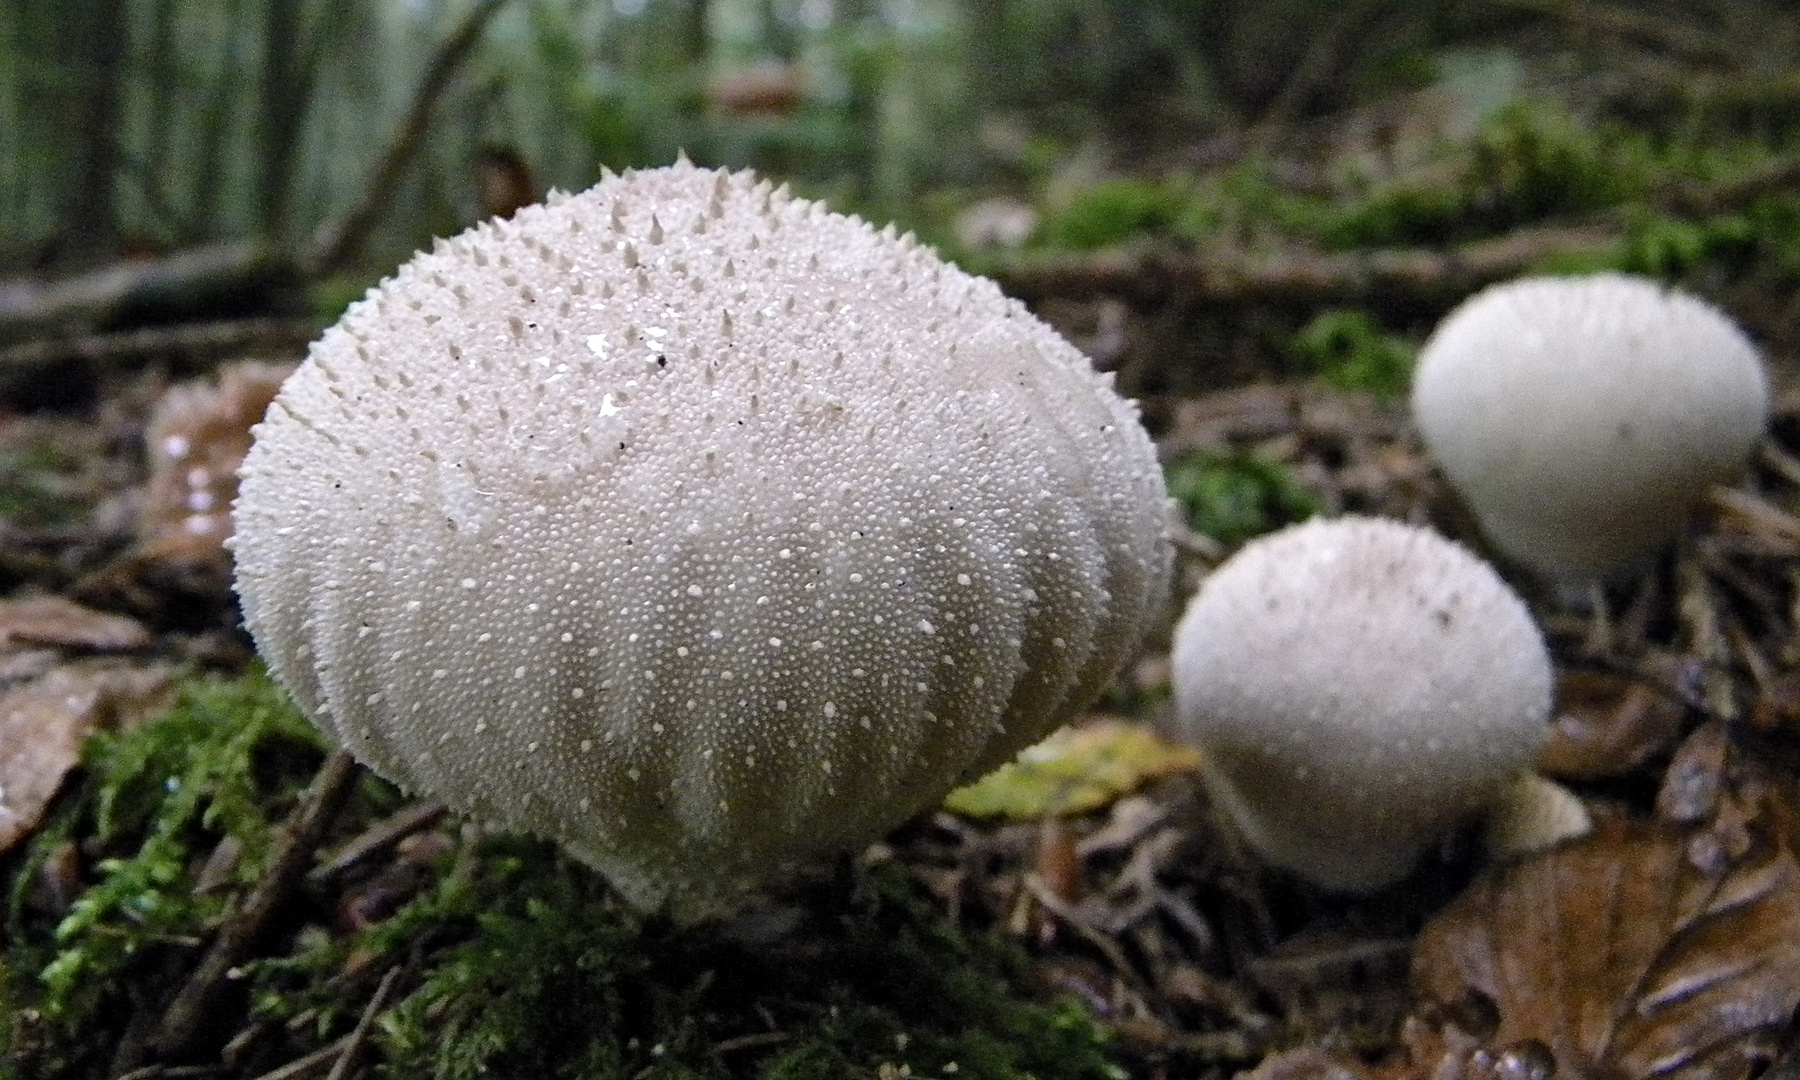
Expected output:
(198, 343)
(161, 290)
(1302, 278)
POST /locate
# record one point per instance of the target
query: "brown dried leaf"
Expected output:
(1696, 778)
(53, 621)
(1624, 959)
(198, 436)
(1608, 724)
(43, 724)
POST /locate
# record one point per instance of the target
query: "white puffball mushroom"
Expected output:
(1582, 418)
(696, 526)
(1355, 686)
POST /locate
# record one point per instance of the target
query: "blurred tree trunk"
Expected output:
(216, 117)
(96, 51)
(286, 89)
(161, 93)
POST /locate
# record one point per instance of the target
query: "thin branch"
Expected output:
(300, 837)
(336, 241)
(340, 1070)
(377, 838)
(197, 343)
(306, 1065)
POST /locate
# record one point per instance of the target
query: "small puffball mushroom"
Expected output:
(1355, 686)
(695, 526)
(1583, 418)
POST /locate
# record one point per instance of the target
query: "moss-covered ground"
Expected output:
(497, 956)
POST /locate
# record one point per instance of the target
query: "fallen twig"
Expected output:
(302, 1066)
(299, 838)
(360, 1034)
(378, 837)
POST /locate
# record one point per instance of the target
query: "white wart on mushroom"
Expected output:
(695, 525)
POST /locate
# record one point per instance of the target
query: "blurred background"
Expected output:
(226, 158)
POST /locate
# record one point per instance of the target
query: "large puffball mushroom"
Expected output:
(1355, 686)
(695, 526)
(1582, 418)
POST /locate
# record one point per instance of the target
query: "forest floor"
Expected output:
(194, 887)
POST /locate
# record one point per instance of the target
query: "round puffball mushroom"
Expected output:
(1355, 686)
(695, 526)
(1582, 418)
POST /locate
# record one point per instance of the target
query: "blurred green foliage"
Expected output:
(1233, 495)
(1110, 212)
(1346, 347)
(33, 494)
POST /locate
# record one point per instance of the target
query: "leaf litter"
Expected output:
(1661, 944)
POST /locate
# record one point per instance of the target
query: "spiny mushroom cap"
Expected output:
(1355, 686)
(1582, 418)
(696, 526)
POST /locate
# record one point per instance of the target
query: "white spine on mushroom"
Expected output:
(1355, 686)
(696, 526)
(1582, 418)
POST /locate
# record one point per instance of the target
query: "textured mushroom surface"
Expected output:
(696, 526)
(1582, 418)
(1356, 686)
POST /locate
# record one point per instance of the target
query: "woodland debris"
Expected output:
(1622, 957)
(299, 840)
(45, 721)
(45, 366)
(197, 437)
(1302, 278)
(185, 285)
(1609, 723)
(49, 620)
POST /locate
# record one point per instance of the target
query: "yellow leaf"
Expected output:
(1075, 770)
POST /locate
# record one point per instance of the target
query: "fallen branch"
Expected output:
(378, 838)
(1302, 277)
(161, 290)
(204, 339)
(346, 1061)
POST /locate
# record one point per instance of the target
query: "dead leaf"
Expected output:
(44, 723)
(197, 437)
(1608, 723)
(1075, 770)
(1622, 958)
(1696, 778)
(64, 624)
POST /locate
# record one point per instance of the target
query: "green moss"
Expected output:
(1233, 495)
(225, 762)
(517, 961)
(555, 978)
(1111, 212)
(1346, 347)
(32, 491)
